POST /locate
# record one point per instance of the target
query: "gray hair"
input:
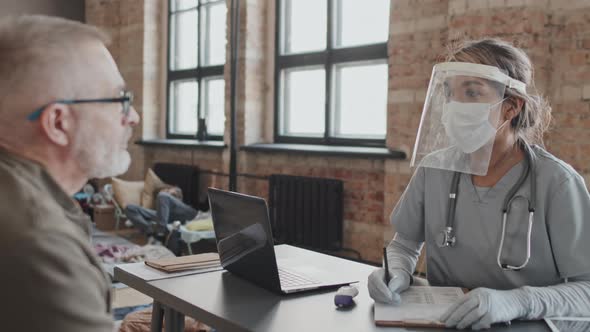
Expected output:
(36, 54)
(535, 117)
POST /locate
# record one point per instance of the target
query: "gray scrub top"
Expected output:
(560, 244)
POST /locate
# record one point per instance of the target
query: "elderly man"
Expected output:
(65, 117)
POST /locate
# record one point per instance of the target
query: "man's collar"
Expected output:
(38, 176)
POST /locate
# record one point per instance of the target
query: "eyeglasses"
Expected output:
(126, 100)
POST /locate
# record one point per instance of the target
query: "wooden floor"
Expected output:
(130, 234)
(129, 297)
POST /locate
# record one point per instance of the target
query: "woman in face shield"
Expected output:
(499, 214)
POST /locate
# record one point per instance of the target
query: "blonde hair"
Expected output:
(36, 60)
(535, 117)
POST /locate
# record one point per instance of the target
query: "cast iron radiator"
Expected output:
(306, 211)
(185, 177)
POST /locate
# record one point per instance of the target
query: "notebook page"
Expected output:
(419, 303)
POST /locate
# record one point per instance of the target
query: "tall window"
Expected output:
(331, 71)
(196, 53)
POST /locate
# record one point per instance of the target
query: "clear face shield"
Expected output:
(461, 116)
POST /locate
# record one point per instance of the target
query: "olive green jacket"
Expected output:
(50, 277)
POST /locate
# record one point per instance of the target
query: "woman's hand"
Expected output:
(482, 307)
(380, 292)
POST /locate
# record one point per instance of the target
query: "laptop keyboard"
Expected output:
(293, 279)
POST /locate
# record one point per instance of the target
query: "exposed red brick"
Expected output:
(556, 38)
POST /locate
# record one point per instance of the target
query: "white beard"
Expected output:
(98, 158)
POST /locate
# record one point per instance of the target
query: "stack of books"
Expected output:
(185, 263)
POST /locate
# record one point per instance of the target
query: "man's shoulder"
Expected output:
(26, 211)
(30, 242)
(20, 199)
(24, 201)
(22, 210)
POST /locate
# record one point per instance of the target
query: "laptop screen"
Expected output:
(244, 238)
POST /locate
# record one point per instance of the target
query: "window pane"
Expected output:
(304, 25)
(214, 105)
(303, 102)
(183, 107)
(213, 34)
(184, 40)
(361, 22)
(183, 4)
(360, 100)
(208, 1)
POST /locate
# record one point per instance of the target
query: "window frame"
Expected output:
(327, 58)
(200, 73)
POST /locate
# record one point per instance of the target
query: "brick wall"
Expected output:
(556, 34)
(569, 83)
(123, 20)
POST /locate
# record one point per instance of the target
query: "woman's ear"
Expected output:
(511, 108)
(57, 124)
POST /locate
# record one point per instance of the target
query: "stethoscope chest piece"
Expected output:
(446, 238)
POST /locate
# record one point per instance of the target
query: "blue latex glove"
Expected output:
(400, 281)
(482, 307)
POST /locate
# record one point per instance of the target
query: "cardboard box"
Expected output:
(104, 217)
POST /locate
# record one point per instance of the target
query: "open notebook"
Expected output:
(568, 324)
(421, 306)
(192, 262)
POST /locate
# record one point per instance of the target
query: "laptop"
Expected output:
(246, 247)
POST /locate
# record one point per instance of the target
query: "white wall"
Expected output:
(72, 9)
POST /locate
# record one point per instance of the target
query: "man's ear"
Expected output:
(512, 107)
(57, 122)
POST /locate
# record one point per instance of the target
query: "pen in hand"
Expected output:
(386, 266)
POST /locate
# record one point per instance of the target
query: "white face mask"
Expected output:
(468, 125)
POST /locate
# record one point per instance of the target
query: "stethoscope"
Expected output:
(447, 236)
